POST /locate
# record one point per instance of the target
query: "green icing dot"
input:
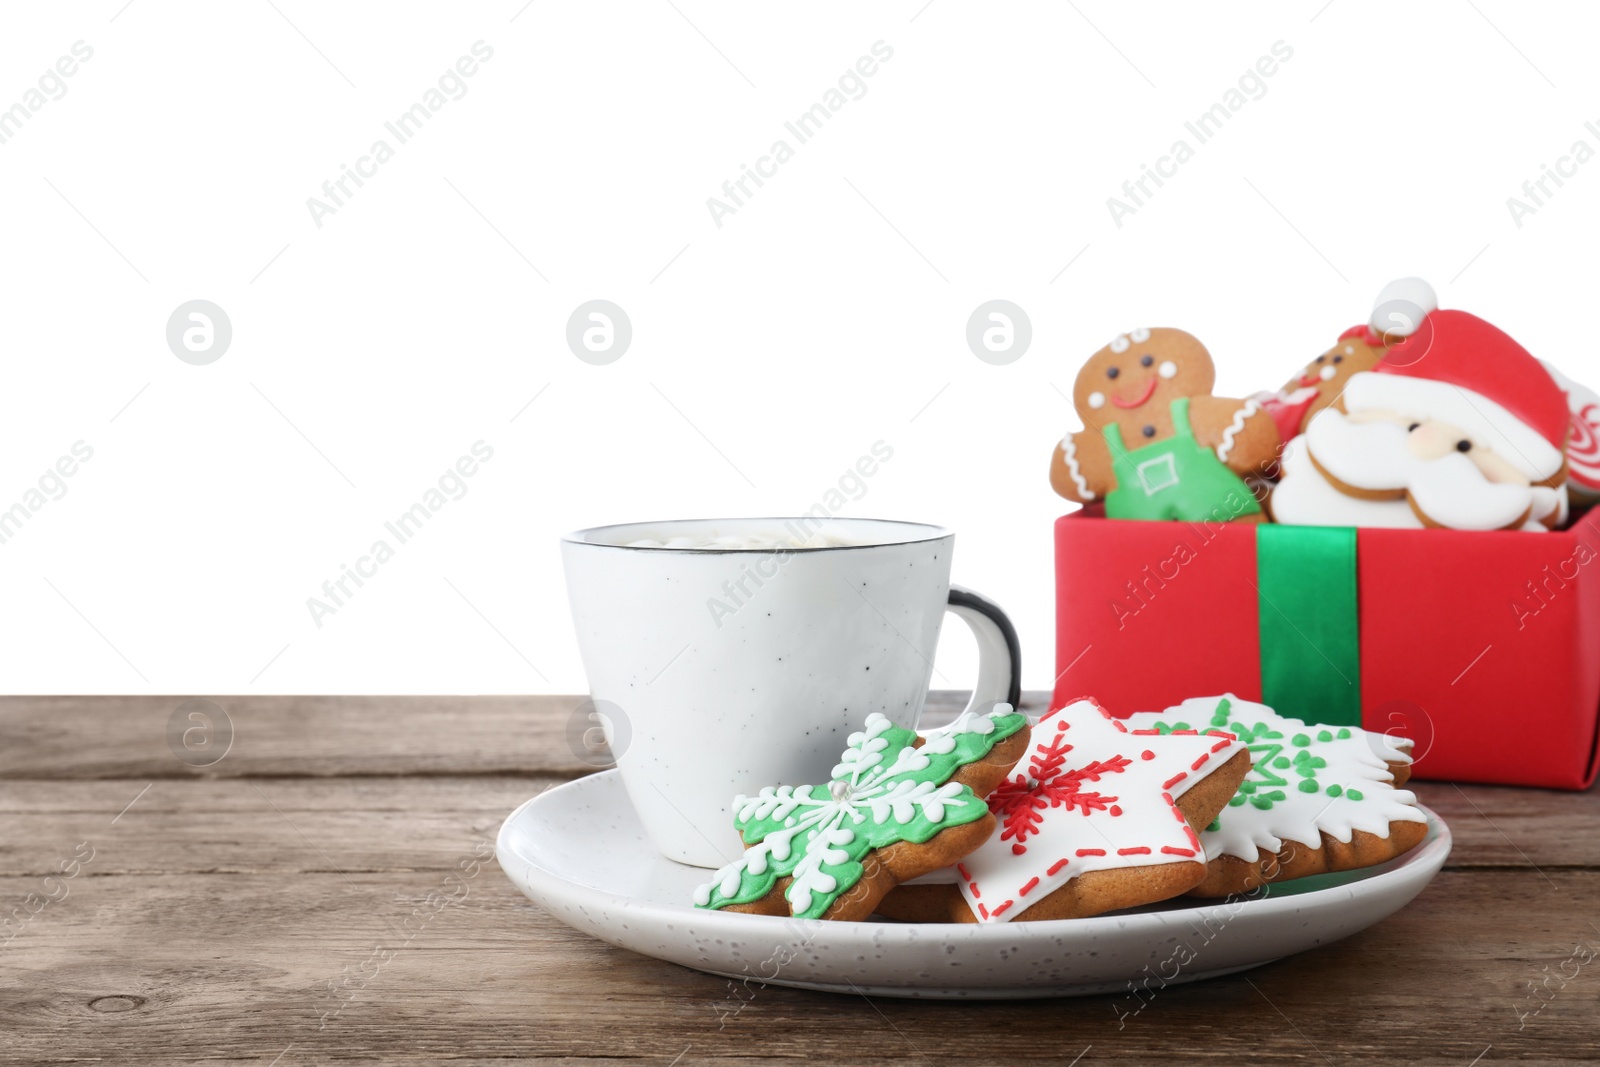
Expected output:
(1236, 801)
(1300, 740)
(1354, 794)
(1308, 786)
(1281, 762)
(1247, 786)
(1344, 734)
(1334, 790)
(1305, 772)
(1266, 800)
(1216, 824)
(1324, 735)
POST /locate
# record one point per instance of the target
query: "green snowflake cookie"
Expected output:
(884, 791)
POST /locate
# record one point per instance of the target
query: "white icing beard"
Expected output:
(1450, 490)
(1305, 498)
(1453, 493)
(1548, 502)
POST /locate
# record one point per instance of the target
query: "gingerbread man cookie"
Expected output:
(1104, 817)
(1156, 444)
(1318, 798)
(1322, 381)
(899, 805)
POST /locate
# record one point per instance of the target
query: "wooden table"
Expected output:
(320, 895)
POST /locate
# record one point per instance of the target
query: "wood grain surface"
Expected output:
(322, 895)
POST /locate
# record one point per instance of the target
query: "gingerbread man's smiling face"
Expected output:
(1134, 380)
(1358, 350)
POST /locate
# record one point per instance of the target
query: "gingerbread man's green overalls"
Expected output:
(1177, 479)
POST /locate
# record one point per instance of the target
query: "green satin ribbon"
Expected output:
(1310, 629)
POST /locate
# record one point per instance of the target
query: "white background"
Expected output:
(828, 313)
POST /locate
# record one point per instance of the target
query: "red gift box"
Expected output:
(1484, 648)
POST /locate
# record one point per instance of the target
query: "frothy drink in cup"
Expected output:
(748, 542)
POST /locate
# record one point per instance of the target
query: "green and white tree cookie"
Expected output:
(1318, 798)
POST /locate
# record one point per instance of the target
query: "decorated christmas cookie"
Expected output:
(1583, 439)
(1322, 380)
(1156, 444)
(1458, 421)
(899, 805)
(1318, 798)
(1102, 817)
(1398, 312)
(1305, 498)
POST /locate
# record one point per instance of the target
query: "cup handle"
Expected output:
(999, 651)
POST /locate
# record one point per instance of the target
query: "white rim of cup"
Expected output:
(581, 537)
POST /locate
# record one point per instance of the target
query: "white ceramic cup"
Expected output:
(715, 672)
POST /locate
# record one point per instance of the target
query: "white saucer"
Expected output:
(578, 850)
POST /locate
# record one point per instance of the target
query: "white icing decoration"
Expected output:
(1549, 502)
(1457, 496)
(1069, 455)
(1168, 369)
(1139, 336)
(809, 876)
(1401, 306)
(869, 792)
(1305, 498)
(1235, 427)
(1097, 400)
(1146, 819)
(1449, 490)
(1360, 760)
(943, 739)
(1120, 344)
(1327, 373)
(1482, 419)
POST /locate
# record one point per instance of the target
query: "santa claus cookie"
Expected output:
(1317, 799)
(1583, 439)
(1104, 817)
(1321, 381)
(1156, 444)
(899, 805)
(1458, 421)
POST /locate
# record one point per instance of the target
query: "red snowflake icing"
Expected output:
(1019, 803)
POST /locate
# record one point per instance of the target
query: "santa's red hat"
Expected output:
(1460, 370)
